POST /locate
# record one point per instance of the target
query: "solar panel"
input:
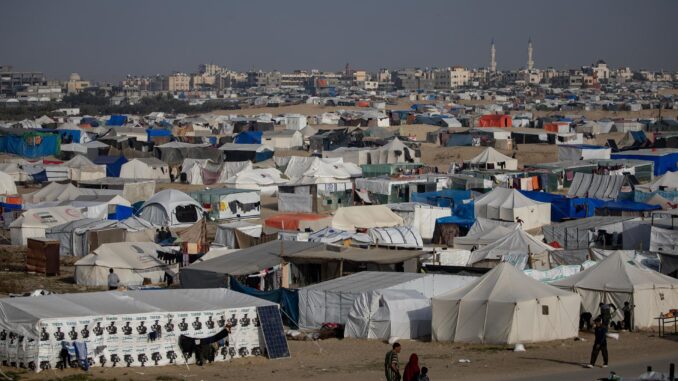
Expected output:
(274, 336)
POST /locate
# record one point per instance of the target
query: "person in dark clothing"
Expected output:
(600, 343)
(627, 310)
(606, 313)
(585, 321)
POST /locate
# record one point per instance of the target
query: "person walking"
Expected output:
(113, 280)
(627, 310)
(600, 343)
(391, 367)
(412, 370)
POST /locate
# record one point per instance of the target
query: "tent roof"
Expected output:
(506, 198)
(505, 284)
(370, 216)
(124, 255)
(365, 281)
(353, 254)
(490, 155)
(618, 273)
(517, 242)
(169, 197)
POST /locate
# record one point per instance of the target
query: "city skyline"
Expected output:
(160, 37)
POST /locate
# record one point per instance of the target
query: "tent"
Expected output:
(394, 151)
(242, 152)
(117, 325)
(171, 207)
(80, 168)
(313, 170)
(298, 221)
(369, 216)
(7, 185)
(144, 169)
(505, 306)
(602, 187)
(667, 182)
(509, 205)
(574, 152)
(264, 179)
(132, 261)
(664, 159)
(484, 232)
(34, 222)
(565, 208)
(331, 301)
(397, 237)
(226, 235)
(383, 314)
(517, 243)
(248, 137)
(113, 164)
(29, 143)
(618, 279)
(490, 158)
(421, 217)
(580, 233)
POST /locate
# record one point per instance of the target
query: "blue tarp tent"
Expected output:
(122, 212)
(72, 136)
(460, 140)
(447, 197)
(30, 144)
(563, 208)
(665, 160)
(112, 163)
(456, 220)
(94, 122)
(248, 137)
(156, 132)
(286, 298)
(629, 206)
(117, 120)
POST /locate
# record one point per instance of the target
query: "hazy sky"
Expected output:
(105, 40)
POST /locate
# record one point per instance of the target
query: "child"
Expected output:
(424, 374)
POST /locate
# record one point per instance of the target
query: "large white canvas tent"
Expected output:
(7, 185)
(421, 217)
(369, 216)
(144, 169)
(516, 243)
(383, 314)
(313, 170)
(667, 182)
(264, 179)
(332, 301)
(505, 306)
(132, 261)
(394, 152)
(63, 192)
(34, 222)
(509, 205)
(490, 158)
(171, 207)
(118, 324)
(81, 168)
(618, 279)
(484, 232)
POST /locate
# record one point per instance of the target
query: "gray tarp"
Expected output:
(579, 234)
(602, 187)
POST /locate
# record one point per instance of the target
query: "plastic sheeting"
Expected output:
(421, 217)
(399, 237)
(602, 187)
(287, 299)
(510, 205)
(372, 216)
(518, 242)
(582, 233)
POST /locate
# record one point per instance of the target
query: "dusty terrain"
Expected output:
(338, 360)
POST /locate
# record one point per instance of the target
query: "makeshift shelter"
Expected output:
(248, 137)
(510, 205)
(370, 216)
(484, 232)
(113, 164)
(29, 143)
(34, 222)
(382, 314)
(298, 221)
(518, 247)
(573, 152)
(81, 168)
(490, 158)
(174, 153)
(583, 232)
(505, 306)
(667, 182)
(398, 237)
(238, 235)
(420, 216)
(664, 159)
(242, 152)
(265, 180)
(565, 208)
(333, 300)
(171, 207)
(285, 139)
(145, 169)
(602, 187)
(116, 325)
(618, 279)
(131, 261)
(7, 185)
(226, 204)
(394, 151)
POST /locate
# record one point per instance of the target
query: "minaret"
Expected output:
(530, 61)
(493, 57)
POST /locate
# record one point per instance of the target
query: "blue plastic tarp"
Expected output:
(117, 120)
(7, 207)
(112, 163)
(122, 212)
(31, 144)
(662, 163)
(447, 197)
(630, 206)
(286, 298)
(563, 208)
(72, 135)
(94, 122)
(248, 137)
(460, 140)
(463, 222)
(262, 156)
(40, 177)
(156, 132)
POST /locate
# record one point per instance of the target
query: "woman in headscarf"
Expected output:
(411, 372)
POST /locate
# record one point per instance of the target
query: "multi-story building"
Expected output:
(11, 81)
(414, 79)
(296, 79)
(600, 71)
(263, 79)
(453, 77)
(75, 84)
(177, 82)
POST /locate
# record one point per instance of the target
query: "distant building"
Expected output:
(263, 79)
(453, 77)
(600, 71)
(414, 79)
(75, 84)
(11, 81)
(177, 82)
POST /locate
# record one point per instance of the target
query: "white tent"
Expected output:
(490, 158)
(421, 217)
(313, 170)
(668, 182)
(516, 243)
(171, 207)
(394, 152)
(7, 185)
(484, 232)
(132, 261)
(117, 326)
(331, 301)
(15, 170)
(505, 306)
(509, 204)
(383, 314)
(618, 279)
(264, 179)
(34, 222)
(369, 216)
(99, 206)
(576, 152)
(81, 168)
(145, 168)
(232, 168)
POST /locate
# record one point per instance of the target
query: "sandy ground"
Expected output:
(335, 360)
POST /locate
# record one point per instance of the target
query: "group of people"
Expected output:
(412, 372)
(163, 235)
(600, 327)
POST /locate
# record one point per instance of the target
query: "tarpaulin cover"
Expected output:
(627, 205)
(292, 221)
(286, 298)
(667, 162)
(603, 187)
(248, 137)
(31, 144)
(447, 197)
(117, 120)
(158, 132)
(464, 222)
(122, 212)
(458, 140)
(112, 163)
(563, 207)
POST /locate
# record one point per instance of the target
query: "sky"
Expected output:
(106, 40)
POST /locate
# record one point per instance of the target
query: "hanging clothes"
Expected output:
(535, 183)
(201, 348)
